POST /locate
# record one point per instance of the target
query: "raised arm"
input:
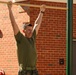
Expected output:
(39, 19)
(13, 22)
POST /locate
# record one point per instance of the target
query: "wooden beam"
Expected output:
(37, 6)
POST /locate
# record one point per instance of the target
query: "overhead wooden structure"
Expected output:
(37, 6)
(18, 0)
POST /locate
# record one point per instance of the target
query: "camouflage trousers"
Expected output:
(28, 72)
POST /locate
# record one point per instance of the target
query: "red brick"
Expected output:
(51, 40)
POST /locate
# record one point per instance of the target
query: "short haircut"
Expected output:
(26, 24)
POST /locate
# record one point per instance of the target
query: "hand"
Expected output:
(9, 4)
(42, 8)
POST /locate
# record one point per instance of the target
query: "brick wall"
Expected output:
(74, 21)
(8, 55)
(51, 40)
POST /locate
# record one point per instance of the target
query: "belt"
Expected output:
(27, 68)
